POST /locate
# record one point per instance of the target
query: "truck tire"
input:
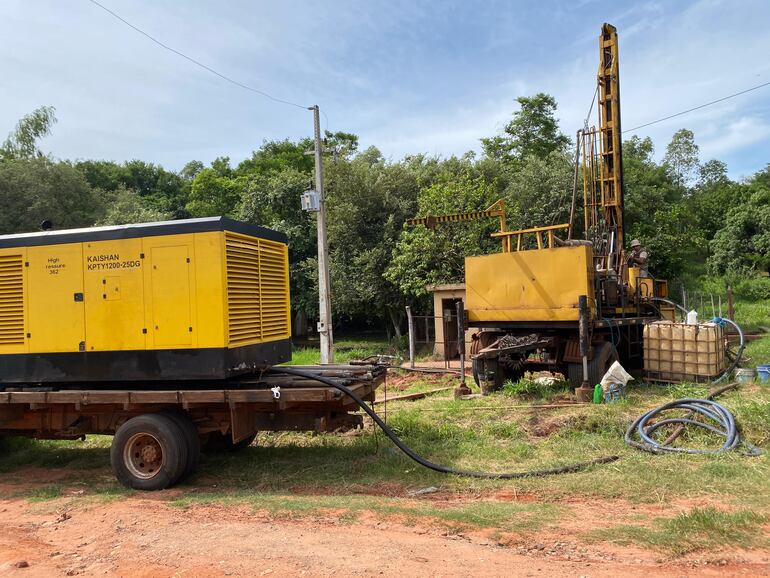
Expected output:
(502, 373)
(605, 355)
(219, 442)
(149, 452)
(192, 439)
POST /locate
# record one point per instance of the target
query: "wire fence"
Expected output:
(448, 342)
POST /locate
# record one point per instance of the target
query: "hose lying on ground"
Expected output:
(427, 463)
(719, 420)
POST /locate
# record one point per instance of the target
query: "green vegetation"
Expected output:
(346, 350)
(292, 474)
(508, 517)
(702, 229)
(758, 352)
(698, 529)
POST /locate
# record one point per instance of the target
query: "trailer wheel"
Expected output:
(149, 452)
(192, 439)
(605, 355)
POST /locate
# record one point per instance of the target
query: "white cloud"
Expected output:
(407, 77)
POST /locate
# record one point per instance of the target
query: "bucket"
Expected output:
(763, 372)
(744, 375)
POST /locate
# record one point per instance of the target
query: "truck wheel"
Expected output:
(149, 452)
(605, 355)
(475, 371)
(219, 442)
(192, 440)
(488, 375)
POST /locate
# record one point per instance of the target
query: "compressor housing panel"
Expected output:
(194, 299)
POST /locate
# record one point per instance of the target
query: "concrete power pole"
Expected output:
(324, 290)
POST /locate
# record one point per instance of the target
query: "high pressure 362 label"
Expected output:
(107, 261)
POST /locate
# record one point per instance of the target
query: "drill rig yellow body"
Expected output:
(562, 304)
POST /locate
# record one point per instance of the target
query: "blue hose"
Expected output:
(719, 420)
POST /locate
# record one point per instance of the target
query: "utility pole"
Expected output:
(324, 292)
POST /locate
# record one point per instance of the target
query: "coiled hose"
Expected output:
(427, 463)
(719, 421)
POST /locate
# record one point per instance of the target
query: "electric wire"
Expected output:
(698, 107)
(427, 463)
(197, 62)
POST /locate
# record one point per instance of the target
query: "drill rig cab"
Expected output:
(551, 302)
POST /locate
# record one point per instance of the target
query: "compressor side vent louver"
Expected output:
(11, 300)
(257, 290)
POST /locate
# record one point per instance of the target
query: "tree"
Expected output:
(368, 200)
(424, 256)
(539, 192)
(126, 206)
(534, 131)
(38, 189)
(682, 157)
(191, 169)
(275, 156)
(712, 197)
(272, 199)
(22, 142)
(212, 194)
(655, 213)
(160, 190)
(743, 243)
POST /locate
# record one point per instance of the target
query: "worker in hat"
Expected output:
(638, 257)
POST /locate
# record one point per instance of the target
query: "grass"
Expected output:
(751, 315)
(758, 351)
(696, 530)
(345, 476)
(508, 516)
(346, 350)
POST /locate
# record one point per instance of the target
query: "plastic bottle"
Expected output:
(692, 318)
(598, 393)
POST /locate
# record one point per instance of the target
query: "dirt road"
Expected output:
(144, 535)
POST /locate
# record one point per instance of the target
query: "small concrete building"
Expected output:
(445, 298)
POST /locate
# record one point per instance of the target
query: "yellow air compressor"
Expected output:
(196, 299)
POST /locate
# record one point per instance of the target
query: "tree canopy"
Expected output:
(687, 213)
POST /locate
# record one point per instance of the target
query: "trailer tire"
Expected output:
(605, 355)
(192, 439)
(149, 452)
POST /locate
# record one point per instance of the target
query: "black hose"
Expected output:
(721, 423)
(427, 463)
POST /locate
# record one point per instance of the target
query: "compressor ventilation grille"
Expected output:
(11, 300)
(257, 289)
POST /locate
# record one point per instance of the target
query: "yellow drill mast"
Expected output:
(603, 163)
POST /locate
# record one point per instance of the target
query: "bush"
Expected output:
(745, 287)
(752, 288)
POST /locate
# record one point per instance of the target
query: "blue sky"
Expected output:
(406, 76)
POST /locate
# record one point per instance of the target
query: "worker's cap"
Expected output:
(635, 243)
